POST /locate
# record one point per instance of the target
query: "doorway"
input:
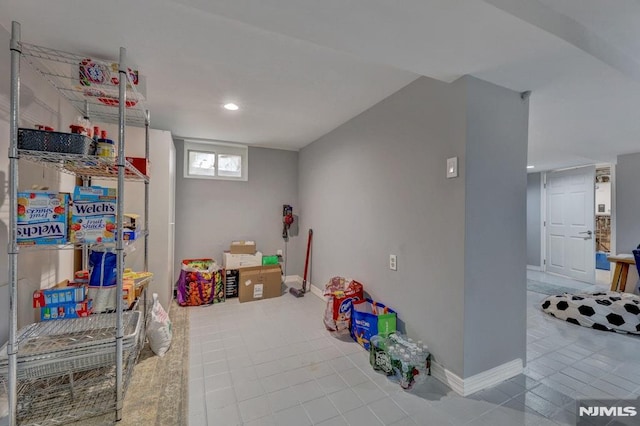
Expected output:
(603, 211)
(570, 223)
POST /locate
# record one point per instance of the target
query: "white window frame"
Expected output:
(217, 148)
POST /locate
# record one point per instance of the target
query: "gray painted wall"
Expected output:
(627, 202)
(377, 186)
(212, 213)
(495, 227)
(533, 219)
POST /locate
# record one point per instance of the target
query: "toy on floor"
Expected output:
(607, 311)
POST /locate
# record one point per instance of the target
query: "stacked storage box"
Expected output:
(61, 303)
(246, 277)
(93, 215)
(241, 254)
(42, 217)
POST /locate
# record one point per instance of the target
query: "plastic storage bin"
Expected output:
(68, 143)
(602, 262)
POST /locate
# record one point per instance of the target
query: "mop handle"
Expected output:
(306, 261)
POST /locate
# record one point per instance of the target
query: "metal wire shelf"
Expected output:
(128, 244)
(75, 395)
(91, 384)
(82, 165)
(61, 70)
(50, 342)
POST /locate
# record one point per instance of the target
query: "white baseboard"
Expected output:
(292, 279)
(297, 279)
(534, 268)
(316, 291)
(479, 381)
(447, 377)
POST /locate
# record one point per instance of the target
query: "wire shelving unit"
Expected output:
(65, 370)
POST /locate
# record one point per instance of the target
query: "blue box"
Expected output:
(602, 262)
(66, 311)
(42, 217)
(93, 215)
(129, 235)
(58, 296)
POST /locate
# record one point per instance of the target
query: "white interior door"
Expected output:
(570, 223)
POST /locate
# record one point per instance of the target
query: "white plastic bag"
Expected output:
(159, 330)
(4, 410)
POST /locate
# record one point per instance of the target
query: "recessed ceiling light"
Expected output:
(530, 167)
(231, 107)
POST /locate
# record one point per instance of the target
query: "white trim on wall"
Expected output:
(291, 279)
(534, 268)
(543, 221)
(296, 280)
(480, 381)
(316, 291)
(614, 210)
(461, 386)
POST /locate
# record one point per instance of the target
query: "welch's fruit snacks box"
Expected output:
(42, 217)
(93, 215)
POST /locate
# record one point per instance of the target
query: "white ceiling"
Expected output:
(300, 68)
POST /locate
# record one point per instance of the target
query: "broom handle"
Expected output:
(306, 261)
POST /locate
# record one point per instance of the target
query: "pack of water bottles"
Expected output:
(401, 358)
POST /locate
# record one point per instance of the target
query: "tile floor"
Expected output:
(273, 363)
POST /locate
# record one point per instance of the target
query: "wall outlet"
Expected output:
(279, 252)
(393, 262)
(452, 167)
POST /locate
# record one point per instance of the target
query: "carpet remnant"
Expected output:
(157, 393)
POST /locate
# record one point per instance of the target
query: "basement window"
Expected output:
(215, 160)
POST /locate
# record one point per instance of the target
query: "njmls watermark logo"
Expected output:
(608, 411)
(596, 412)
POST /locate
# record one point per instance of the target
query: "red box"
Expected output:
(140, 163)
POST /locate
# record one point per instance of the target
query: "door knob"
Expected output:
(589, 234)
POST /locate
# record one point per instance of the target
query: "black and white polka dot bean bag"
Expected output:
(608, 311)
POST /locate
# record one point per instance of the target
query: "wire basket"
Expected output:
(71, 396)
(68, 143)
(54, 347)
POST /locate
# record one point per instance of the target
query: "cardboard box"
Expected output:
(58, 296)
(242, 247)
(128, 292)
(129, 235)
(93, 215)
(260, 282)
(66, 311)
(140, 163)
(231, 278)
(236, 261)
(42, 218)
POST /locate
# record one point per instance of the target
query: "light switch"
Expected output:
(452, 167)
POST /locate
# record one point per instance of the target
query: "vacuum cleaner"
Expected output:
(300, 292)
